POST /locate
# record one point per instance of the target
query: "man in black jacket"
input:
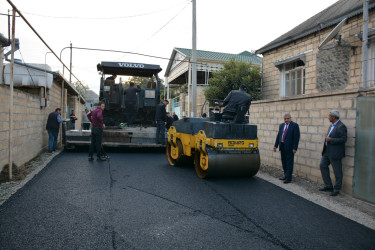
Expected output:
(169, 121)
(287, 140)
(236, 104)
(333, 152)
(53, 126)
(175, 117)
(161, 121)
(131, 103)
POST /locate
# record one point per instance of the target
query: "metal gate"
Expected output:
(364, 171)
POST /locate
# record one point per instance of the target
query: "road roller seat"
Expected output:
(228, 116)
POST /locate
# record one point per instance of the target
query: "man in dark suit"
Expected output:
(333, 152)
(287, 140)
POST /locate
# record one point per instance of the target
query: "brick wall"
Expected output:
(29, 120)
(311, 114)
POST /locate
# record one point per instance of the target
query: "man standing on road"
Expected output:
(53, 126)
(333, 152)
(131, 103)
(85, 120)
(161, 122)
(287, 140)
(236, 104)
(96, 118)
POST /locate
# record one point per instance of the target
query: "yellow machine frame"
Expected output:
(196, 145)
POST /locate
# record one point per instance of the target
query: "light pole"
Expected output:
(60, 56)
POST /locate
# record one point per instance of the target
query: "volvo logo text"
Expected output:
(131, 65)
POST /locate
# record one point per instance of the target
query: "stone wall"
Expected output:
(332, 67)
(311, 113)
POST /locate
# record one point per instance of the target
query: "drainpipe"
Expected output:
(10, 146)
(365, 43)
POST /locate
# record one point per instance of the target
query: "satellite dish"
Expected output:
(333, 33)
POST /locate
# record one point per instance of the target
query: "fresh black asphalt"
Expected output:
(136, 201)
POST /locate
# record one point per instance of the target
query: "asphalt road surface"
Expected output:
(137, 201)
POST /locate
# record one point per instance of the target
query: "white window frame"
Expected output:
(283, 86)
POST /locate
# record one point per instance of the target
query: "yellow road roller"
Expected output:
(216, 148)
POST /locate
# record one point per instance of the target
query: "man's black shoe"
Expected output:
(282, 178)
(335, 192)
(91, 158)
(287, 181)
(101, 158)
(326, 189)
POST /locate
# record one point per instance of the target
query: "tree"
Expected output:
(143, 81)
(231, 77)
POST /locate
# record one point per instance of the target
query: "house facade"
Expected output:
(310, 70)
(178, 74)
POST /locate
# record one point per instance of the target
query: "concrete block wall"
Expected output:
(312, 116)
(29, 135)
(29, 120)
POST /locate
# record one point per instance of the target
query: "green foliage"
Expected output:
(142, 82)
(231, 77)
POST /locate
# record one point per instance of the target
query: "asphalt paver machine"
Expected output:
(117, 133)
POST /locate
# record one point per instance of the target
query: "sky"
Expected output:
(147, 27)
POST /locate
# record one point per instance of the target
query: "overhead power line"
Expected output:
(37, 34)
(105, 18)
(162, 27)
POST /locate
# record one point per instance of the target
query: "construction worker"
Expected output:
(236, 104)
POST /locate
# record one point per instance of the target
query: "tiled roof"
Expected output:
(324, 19)
(245, 56)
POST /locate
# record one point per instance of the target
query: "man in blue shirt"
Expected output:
(333, 152)
(53, 126)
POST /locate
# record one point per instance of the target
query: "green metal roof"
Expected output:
(245, 56)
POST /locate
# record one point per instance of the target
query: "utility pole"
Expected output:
(194, 63)
(365, 43)
(70, 69)
(10, 146)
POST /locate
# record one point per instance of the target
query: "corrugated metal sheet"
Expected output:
(364, 171)
(243, 57)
